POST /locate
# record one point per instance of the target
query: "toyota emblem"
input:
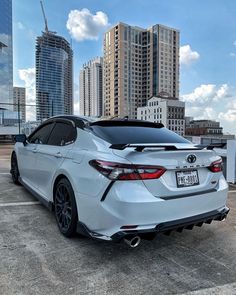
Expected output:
(191, 158)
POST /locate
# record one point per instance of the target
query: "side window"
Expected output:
(41, 136)
(62, 134)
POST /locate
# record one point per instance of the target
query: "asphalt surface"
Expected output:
(36, 259)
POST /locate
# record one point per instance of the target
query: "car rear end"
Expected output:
(158, 181)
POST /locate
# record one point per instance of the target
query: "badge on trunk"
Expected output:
(191, 158)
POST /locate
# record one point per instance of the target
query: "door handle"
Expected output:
(34, 150)
(58, 155)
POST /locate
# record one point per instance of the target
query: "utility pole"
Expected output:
(18, 114)
(52, 109)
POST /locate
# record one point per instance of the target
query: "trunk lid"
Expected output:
(176, 165)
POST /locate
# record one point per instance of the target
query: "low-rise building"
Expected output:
(203, 127)
(9, 118)
(168, 111)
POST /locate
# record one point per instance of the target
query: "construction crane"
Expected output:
(45, 19)
(44, 16)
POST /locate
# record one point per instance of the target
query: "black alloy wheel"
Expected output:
(14, 169)
(65, 208)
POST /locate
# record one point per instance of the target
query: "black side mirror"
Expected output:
(21, 138)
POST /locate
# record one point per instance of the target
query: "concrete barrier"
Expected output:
(231, 161)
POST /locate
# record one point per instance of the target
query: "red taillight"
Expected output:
(216, 166)
(120, 171)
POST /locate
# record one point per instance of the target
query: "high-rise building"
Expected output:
(138, 64)
(6, 64)
(19, 101)
(168, 111)
(54, 76)
(91, 88)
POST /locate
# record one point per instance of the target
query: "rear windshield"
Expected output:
(136, 134)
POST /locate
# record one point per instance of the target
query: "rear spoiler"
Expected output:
(211, 146)
(172, 147)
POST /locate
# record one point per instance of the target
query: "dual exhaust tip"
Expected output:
(132, 241)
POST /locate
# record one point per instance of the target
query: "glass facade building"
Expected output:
(6, 64)
(54, 76)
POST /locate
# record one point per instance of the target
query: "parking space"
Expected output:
(37, 259)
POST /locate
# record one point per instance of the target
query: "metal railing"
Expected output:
(228, 154)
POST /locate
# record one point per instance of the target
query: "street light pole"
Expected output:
(19, 114)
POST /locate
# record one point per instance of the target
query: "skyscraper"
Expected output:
(91, 88)
(54, 76)
(138, 64)
(19, 100)
(6, 67)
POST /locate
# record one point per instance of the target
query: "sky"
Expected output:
(207, 44)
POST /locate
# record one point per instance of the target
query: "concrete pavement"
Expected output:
(37, 259)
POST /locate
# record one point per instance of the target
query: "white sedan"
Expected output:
(120, 179)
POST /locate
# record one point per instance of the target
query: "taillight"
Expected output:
(120, 171)
(216, 166)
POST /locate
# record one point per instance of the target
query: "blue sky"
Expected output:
(208, 35)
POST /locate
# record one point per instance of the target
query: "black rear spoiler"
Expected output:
(172, 147)
(211, 146)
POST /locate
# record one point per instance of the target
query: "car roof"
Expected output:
(83, 121)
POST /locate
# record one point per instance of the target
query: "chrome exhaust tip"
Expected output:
(133, 242)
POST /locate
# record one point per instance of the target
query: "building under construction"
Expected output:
(54, 75)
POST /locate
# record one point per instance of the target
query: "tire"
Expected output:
(15, 174)
(65, 208)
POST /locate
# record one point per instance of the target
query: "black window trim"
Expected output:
(53, 121)
(67, 122)
(39, 128)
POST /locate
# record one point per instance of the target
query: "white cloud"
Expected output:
(28, 76)
(222, 92)
(76, 99)
(213, 102)
(187, 55)
(232, 104)
(83, 25)
(200, 94)
(229, 115)
(76, 108)
(206, 93)
(200, 113)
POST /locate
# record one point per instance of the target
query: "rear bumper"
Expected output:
(131, 204)
(175, 225)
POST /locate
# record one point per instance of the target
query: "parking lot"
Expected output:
(36, 259)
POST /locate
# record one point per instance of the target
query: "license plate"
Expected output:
(187, 178)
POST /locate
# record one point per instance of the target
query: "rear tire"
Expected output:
(65, 208)
(15, 174)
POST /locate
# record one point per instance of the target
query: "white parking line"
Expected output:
(7, 159)
(20, 204)
(228, 289)
(4, 173)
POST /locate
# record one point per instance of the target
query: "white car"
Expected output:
(120, 179)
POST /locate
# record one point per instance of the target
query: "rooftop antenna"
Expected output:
(45, 19)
